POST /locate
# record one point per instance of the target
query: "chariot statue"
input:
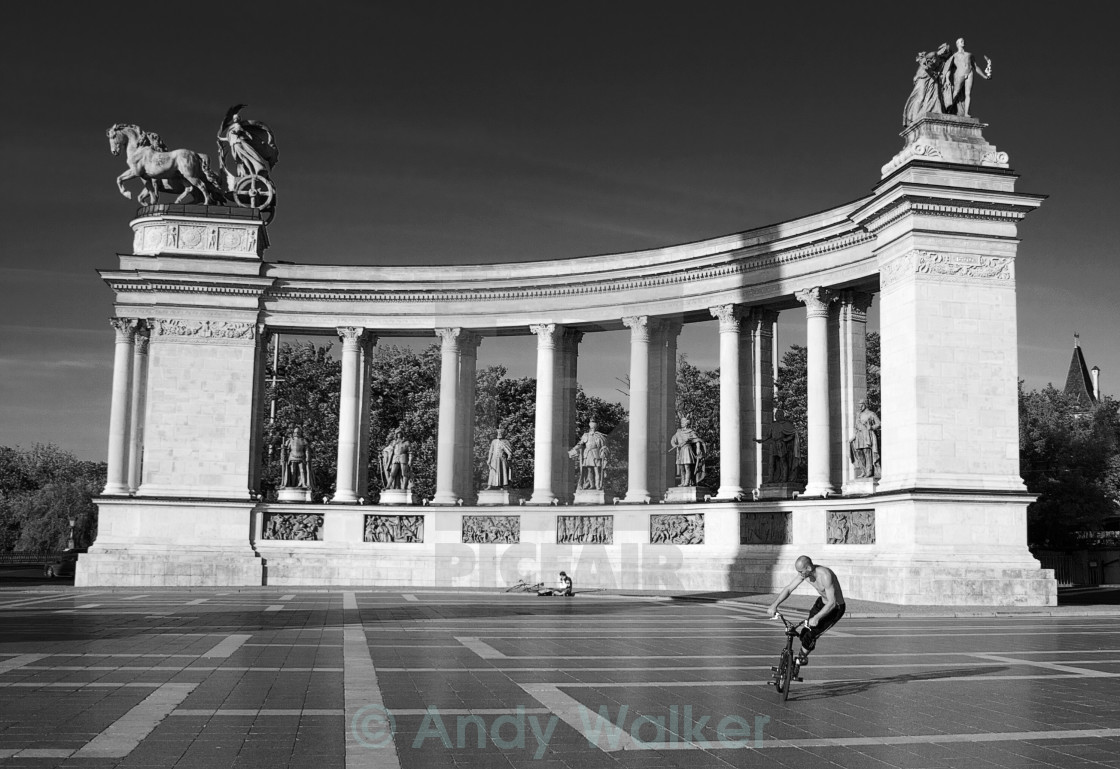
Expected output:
(246, 155)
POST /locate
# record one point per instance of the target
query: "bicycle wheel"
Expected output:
(784, 673)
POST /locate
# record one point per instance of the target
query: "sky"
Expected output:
(459, 133)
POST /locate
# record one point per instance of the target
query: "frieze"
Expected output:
(394, 528)
(764, 529)
(896, 269)
(293, 526)
(492, 529)
(851, 527)
(964, 266)
(157, 237)
(676, 529)
(585, 529)
(203, 329)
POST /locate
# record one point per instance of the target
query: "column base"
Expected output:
(779, 490)
(737, 493)
(396, 497)
(590, 497)
(344, 498)
(542, 497)
(641, 497)
(821, 490)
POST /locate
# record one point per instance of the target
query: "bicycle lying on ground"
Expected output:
(787, 670)
(524, 587)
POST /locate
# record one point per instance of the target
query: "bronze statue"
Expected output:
(783, 454)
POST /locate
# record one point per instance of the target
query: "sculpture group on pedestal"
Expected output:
(396, 463)
(591, 452)
(943, 82)
(187, 174)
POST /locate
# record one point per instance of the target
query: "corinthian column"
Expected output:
(448, 416)
(637, 486)
(816, 301)
(116, 481)
(544, 429)
(730, 416)
(349, 424)
(136, 408)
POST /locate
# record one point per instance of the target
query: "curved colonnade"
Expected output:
(935, 241)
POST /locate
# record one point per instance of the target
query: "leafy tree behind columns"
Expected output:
(41, 488)
(698, 399)
(1071, 460)
(306, 393)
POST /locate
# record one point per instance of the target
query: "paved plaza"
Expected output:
(362, 678)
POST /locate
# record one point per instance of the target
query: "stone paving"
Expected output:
(362, 678)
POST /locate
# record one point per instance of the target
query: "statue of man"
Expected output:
(691, 451)
(498, 460)
(865, 443)
(783, 453)
(396, 459)
(592, 453)
(294, 459)
(956, 75)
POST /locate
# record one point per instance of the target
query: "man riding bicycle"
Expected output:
(827, 610)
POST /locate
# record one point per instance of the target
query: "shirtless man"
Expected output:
(827, 610)
(956, 74)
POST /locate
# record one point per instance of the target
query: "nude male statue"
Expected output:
(956, 74)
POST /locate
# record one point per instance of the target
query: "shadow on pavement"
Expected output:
(846, 688)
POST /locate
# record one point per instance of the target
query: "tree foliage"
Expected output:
(1071, 460)
(41, 490)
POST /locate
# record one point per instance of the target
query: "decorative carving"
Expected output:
(851, 527)
(729, 316)
(639, 327)
(896, 269)
(176, 171)
(350, 335)
(125, 328)
(394, 528)
(964, 266)
(765, 529)
(217, 329)
(143, 337)
(492, 529)
(298, 526)
(585, 529)
(994, 158)
(546, 334)
(677, 529)
(816, 300)
(857, 302)
(449, 338)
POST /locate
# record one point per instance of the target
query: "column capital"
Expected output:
(143, 337)
(729, 316)
(571, 338)
(469, 342)
(546, 334)
(816, 300)
(350, 336)
(639, 326)
(126, 328)
(859, 302)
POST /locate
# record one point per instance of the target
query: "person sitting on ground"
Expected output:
(563, 587)
(827, 610)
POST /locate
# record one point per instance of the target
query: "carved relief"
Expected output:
(816, 300)
(191, 236)
(964, 266)
(851, 527)
(546, 334)
(585, 529)
(677, 529)
(765, 529)
(729, 317)
(297, 526)
(208, 329)
(394, 528)
(492, 529)
(639, 327)
(896, 269)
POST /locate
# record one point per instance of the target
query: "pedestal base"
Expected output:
(590, 497)
(859, 487)
(488, 497)
(946, 139)
(293, 494)
(395, 497)
(779, 490)
(675, 494)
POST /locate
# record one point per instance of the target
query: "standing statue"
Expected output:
(252, 151)
(295, 461)
(592, 457)
(498, 460)
(691, 451)
(396, 462)
(865, 443)
(786, 447)
(956, 77)
(926, 95)
(177, 171)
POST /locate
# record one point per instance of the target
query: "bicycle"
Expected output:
(787, 670)
(524, 587)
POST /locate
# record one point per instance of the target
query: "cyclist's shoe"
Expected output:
(802, 659)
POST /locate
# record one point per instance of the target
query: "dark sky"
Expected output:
(453, 133)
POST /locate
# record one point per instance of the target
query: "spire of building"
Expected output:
(1079, 384)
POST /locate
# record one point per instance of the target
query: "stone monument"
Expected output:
(780, 481)
(295, 469)
(396, 471)
(590, 454)
(498, 489)
(691, 451)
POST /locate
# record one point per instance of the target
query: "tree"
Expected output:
(41, 490)
(1071, 460)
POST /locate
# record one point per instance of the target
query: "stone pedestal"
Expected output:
(395, 497)
(779, 490)
(487, 497)
(946, 139)
(675, 494)
(293, 494)
(590, 497)
(859, 486)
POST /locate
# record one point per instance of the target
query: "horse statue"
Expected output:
(177, 171)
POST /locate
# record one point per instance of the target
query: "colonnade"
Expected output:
(837, 380)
